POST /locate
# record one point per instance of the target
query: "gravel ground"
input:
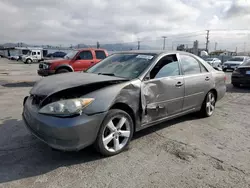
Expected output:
(185, 152)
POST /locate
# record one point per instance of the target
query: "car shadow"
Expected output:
(25, 156)
(242, 89)
(22, 155)
(166, 124)
(19, 84)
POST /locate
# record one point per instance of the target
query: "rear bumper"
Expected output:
(44, 72)
(240, 80)
(67, 134)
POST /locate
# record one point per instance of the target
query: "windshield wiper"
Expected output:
(107, 74)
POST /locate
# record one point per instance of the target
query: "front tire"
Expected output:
(28, 61)
(208, 105)
(60, 71)
(115, 133)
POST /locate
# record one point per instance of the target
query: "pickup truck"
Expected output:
(76, 60)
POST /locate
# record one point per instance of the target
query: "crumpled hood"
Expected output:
(56, 83)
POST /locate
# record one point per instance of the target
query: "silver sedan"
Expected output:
(124, 93)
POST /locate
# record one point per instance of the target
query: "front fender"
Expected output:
(127, 93)
(64, 66)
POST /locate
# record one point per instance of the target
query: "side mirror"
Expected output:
(78, 58)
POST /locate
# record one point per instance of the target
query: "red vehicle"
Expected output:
(76, 60)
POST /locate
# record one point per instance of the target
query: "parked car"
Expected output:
(14, 57)
(214, 62)
(241, 75)
(76, 60)
(56, 55)
(124, 93)
(234, 62)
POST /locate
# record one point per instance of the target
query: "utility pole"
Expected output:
(215, 46)
(207, 40)
(138, 45)
(164, 42)
(236, 50)
(244, 48)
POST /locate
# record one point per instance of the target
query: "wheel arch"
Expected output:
(215, 93)
(127, 109)
(68, 67)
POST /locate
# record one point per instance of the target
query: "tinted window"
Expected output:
(100, 54)
(203, 68)
(85, 55)
(190, 65)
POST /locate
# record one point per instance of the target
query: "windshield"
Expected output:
(123, 65)
(70, 55)
(236, 59)
(247, 63)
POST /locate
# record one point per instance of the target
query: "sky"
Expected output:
(65, 22)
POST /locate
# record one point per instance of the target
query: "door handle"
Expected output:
(207, 78)
(179, 84)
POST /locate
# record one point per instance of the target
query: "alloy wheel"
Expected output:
(116, 133)
(210, 103)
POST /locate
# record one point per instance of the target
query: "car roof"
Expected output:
(81, 49)
(155, 52)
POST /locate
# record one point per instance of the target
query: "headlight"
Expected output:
(45, 66)
(66, 107)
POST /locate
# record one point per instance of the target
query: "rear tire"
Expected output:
(208, 105)
(115, 133)
(60, 71)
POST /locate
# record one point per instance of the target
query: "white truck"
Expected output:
(33, 55)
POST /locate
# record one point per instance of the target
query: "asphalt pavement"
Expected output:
(185, 152)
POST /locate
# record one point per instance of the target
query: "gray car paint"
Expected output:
(144, 97)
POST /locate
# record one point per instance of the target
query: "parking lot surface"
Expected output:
(185, 152)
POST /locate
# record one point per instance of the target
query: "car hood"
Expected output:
(56, 83)
(233, 62)
(59, 60)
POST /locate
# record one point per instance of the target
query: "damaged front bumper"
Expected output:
(67, 134)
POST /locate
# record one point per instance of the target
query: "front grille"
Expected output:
(37, 99)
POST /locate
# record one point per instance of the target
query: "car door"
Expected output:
(83, 61)
(163, 90)
(34, 56)
(198, 81)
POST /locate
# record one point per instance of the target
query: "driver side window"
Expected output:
(167, 66)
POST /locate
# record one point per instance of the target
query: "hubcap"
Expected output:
(116, 133)
(210, 105)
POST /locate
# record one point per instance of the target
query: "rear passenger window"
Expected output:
(33, 53)
(38, 53)
(100, 54)
(86, 55)
(190, 65)
(203, 68)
